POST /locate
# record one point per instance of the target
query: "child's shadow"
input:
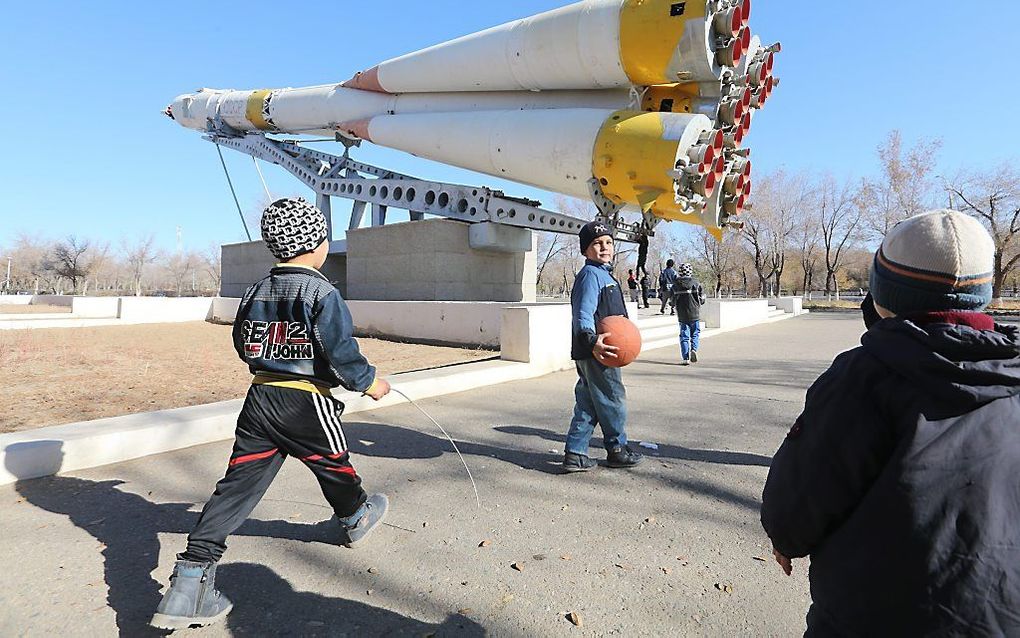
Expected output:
(266, 605)
(127, 526)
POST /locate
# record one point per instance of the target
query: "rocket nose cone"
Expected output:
(356, 128)
(366, 81)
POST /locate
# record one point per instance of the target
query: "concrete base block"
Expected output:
(500, 238)
(792, 305)
(735, 313)
(92, 307)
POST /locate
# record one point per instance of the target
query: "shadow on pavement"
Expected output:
(266, 605)
(392, 442)
(664, 451)
(127, 526)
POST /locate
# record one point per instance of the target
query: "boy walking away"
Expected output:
(899, 479)
(295, 333)
(688, 297)
(645, 285)
(666, 279)
(632, 286)
(599, 396)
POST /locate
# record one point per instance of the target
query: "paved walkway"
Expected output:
(672, 548)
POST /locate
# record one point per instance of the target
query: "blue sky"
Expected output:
(89, 153)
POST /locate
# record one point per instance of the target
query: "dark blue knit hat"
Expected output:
(592, 231)
(940, 260)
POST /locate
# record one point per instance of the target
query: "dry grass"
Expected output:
(822, 304)
(63, 375)
(31, 309)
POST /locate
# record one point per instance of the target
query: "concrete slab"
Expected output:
(642, 552)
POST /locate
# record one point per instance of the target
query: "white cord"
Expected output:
(429, 417)
(262, 178)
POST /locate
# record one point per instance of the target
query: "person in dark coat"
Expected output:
(901, 478)
(688, 297)
(645, 285)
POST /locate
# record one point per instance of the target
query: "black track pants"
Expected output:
(276, 422)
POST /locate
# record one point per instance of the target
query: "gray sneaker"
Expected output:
(694, 356)
(372, 514)
(578, 463)
(192, 600)
(685, 362)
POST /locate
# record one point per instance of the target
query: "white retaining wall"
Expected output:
(165, 309)
(729, 314)
(36, 300)
(89, 307)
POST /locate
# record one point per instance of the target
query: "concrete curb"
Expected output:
(77, 446)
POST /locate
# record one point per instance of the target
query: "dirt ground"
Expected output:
(31, 309)
(54, 376)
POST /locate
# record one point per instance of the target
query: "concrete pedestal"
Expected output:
(434, 260)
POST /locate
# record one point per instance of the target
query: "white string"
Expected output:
(262, 178)
(454, 444)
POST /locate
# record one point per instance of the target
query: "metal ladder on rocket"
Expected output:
(638, 105)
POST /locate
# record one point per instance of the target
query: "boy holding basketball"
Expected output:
(599, 394)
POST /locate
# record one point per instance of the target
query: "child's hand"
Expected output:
(602, 350)
(380, 389)
(783, 561)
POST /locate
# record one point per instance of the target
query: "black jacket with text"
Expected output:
(294, 325)
(901, 480)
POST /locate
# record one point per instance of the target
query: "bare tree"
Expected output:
(994, 199)
(137, 255)
(808, 243)
(839, 216)
(180, 265)
(213, 262)
(767, 229)
(69, 262)
(904, 186)
(715, 257)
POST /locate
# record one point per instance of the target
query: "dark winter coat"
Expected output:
(901, 480)
(688, 297)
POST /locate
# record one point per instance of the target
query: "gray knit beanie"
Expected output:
(940, 260)
(292, 227)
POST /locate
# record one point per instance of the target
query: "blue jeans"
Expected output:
(690, 337)
(598, 399)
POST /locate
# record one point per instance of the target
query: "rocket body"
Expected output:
(644, 102)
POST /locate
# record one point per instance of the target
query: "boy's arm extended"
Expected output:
(584, 305)
(836, 449)
(334, 331)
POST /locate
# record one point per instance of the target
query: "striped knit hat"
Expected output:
(940, 260)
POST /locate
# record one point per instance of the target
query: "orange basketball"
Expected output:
(623, 334)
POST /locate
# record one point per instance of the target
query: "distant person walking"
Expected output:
(632, 285)
(666, 279)
(688, 297)
(645, 285)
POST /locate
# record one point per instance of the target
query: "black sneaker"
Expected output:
(623, 457)
(694, 356)
(577, 463)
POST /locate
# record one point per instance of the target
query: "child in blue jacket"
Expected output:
(599, 394)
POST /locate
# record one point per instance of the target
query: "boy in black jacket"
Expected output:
(295, 333)
(900, 477)
(688, 297)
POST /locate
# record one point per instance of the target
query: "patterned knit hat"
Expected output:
(940, 260)
(685, 270)
(292, 227)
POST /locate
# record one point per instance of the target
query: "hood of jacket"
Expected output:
(957, 364)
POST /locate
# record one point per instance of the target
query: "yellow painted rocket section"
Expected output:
(632, 161)
(253, 112)
(650, 34)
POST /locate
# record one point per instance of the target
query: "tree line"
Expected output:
(82, 266)
(810, 231)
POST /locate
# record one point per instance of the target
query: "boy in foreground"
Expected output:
(295, 333)
(899, 478)
(599, 394)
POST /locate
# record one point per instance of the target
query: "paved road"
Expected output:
(671, 548)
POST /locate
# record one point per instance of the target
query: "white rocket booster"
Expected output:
(648, 99)
(587, 45)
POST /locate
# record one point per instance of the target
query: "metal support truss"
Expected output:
(340, 176)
